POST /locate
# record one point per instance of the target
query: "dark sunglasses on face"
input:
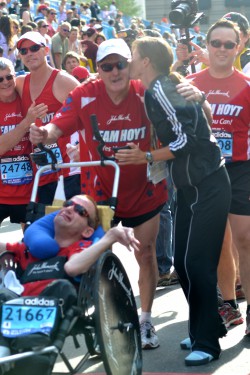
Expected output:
(45, 26)
(218, 44)
(77, 208)
(108, 67)
(66, 30)
(34, 48)
(53, 13)
(9, 77)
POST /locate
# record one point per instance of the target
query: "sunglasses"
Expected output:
(108, 67)
(218, 44)
(45, 26)
(9, 77)
(34, 48)
(66, 30)
(53, 13)
(77, 208)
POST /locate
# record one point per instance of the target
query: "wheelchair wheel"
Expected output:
(117, 324)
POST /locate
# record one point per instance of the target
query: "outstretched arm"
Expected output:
(44, 134)
(81, 262)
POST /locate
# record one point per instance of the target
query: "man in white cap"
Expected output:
(118, 105)
(45, 84)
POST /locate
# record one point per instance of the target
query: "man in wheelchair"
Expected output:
(52, 280)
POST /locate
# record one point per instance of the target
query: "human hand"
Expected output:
(133, 155)
(36, 111)
(125, 236)
(73, 152)
(182, 53)
(189, 91)
(38, 135)
(198, 55)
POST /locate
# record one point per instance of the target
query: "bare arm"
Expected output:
(58, 60)
(135, 155)
(10, 139)
(81, 262)
(45, 134)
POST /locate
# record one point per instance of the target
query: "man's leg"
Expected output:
(241, 236)
(164, 252)
(146, 233)
(229, 311)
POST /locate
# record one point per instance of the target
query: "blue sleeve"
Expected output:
(39, 237)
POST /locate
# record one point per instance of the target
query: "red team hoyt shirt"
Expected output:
(118, 125)
(230, 102)
(36, 287)
(16, 177)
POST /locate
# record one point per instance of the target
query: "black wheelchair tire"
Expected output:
(116, 318)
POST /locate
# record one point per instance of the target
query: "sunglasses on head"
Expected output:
(9, 77)
(218, 44)
(108, 67)
(34, 48)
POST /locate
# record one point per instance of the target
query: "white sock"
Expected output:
(145, 317)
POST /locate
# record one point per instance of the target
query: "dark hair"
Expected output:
(226, 24)
(32, 24)
(75, 22)
(6, 29)
(70, 54)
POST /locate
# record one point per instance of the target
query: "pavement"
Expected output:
(170, 315)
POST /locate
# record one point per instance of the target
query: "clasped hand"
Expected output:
(134, 155)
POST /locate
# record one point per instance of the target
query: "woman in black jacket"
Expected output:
(203, 190)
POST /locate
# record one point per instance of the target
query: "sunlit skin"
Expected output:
(43, 30)
(221, 59)
(33, 60)
(69, 223)
(116, 81)
(70, 64)
(7, 88)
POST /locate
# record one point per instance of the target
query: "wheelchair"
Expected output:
(105, 313)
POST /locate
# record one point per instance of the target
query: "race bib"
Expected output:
(225, 141)
(157, 171)
(27, 315)
(16, 170)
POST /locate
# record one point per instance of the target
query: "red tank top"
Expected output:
(47, 97)
(16, 176)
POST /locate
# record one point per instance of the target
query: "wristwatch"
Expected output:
(203, 98)
(149, 157)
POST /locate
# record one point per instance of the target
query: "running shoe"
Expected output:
(170, 278)
(149, 338)
(230, 315)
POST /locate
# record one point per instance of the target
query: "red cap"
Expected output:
(80, 73)
(42, 7)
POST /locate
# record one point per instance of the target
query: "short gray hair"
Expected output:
(5, 64)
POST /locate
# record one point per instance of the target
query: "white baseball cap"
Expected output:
(113, 46)
(34, 36)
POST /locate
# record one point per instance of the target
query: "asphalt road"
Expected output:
(170, 316)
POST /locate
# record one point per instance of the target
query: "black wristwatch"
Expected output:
(203, 98)
(149, 157)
